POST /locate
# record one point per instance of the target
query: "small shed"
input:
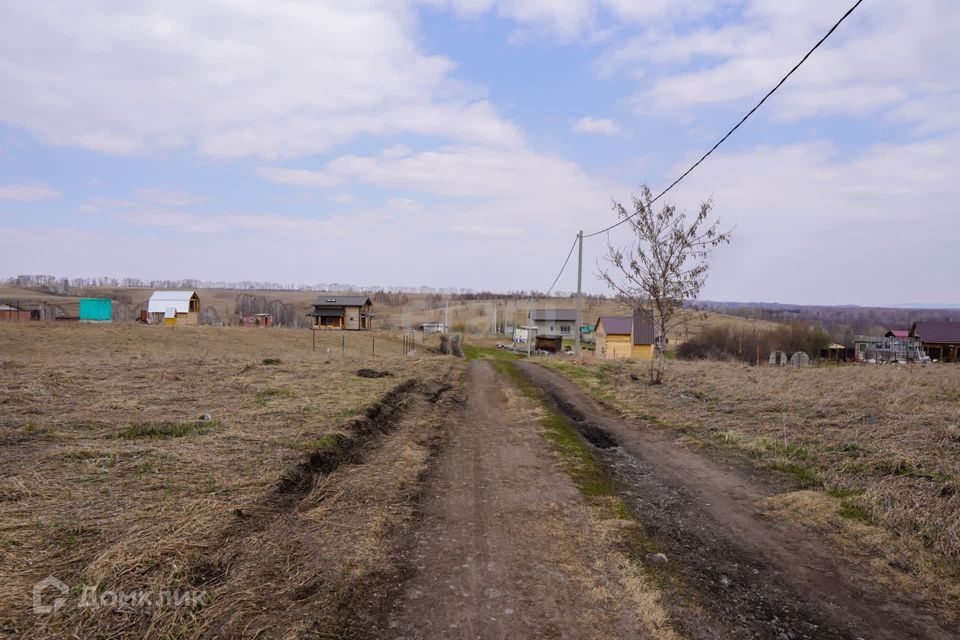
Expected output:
(836, 352)
(174, 307)
(257, 320)
(96, 309)
(13, 313)
(432, 327)
(546, 342)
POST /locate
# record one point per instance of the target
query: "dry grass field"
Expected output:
(874, 450)
(111, 477)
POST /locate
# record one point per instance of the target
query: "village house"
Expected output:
(561, 322)
(941, 340)
(174, 307)
(351, 313)
(624, 337)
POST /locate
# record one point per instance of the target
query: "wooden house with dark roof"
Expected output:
(345, 313)
(941, 340)
(624, 337)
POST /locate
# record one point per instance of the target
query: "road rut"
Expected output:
(505, 547)
(754, 577)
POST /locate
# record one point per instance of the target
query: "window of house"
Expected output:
(564, 328)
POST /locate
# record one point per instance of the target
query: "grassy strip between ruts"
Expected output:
(473, 352)
(589, 476)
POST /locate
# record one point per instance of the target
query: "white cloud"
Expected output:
(27, 192)
(297, 177)
(461, 172)
(276, 79)
(813, 225)
(577, 20)
(172, 198)
(884, 58)
(602, 126)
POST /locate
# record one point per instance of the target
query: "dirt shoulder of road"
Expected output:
(753, 575)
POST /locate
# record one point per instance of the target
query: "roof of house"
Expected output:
(160, 301)
(898, 333)
(561, 315)
(643, 332)
(334, 300)
(616, 325)
(938, 332)
(639, 329)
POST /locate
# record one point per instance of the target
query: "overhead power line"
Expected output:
(570, 253)
(736, 126)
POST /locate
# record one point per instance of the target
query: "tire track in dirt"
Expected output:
(312, 556)
(758, 578)
(505, 547)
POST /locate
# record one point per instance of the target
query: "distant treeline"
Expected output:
(744, 344)
(68, 286)
(55, 285)
(842, 323)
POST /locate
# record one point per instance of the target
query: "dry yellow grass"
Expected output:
(108, 476)
(881, 442)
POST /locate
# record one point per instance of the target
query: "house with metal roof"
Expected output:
(346, 313)
(624, 337)
(560, 322)
(174, 307)
(941, 340)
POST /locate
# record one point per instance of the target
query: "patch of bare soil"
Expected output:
(752, 576)
(505, 547)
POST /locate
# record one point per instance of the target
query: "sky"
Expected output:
(463, 143)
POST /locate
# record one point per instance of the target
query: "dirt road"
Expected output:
(753, 577)
(505, 548)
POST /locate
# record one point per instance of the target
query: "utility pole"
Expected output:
(579, 292)
(528, 329)
(446, 316)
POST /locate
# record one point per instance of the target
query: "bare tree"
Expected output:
(665, 264)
